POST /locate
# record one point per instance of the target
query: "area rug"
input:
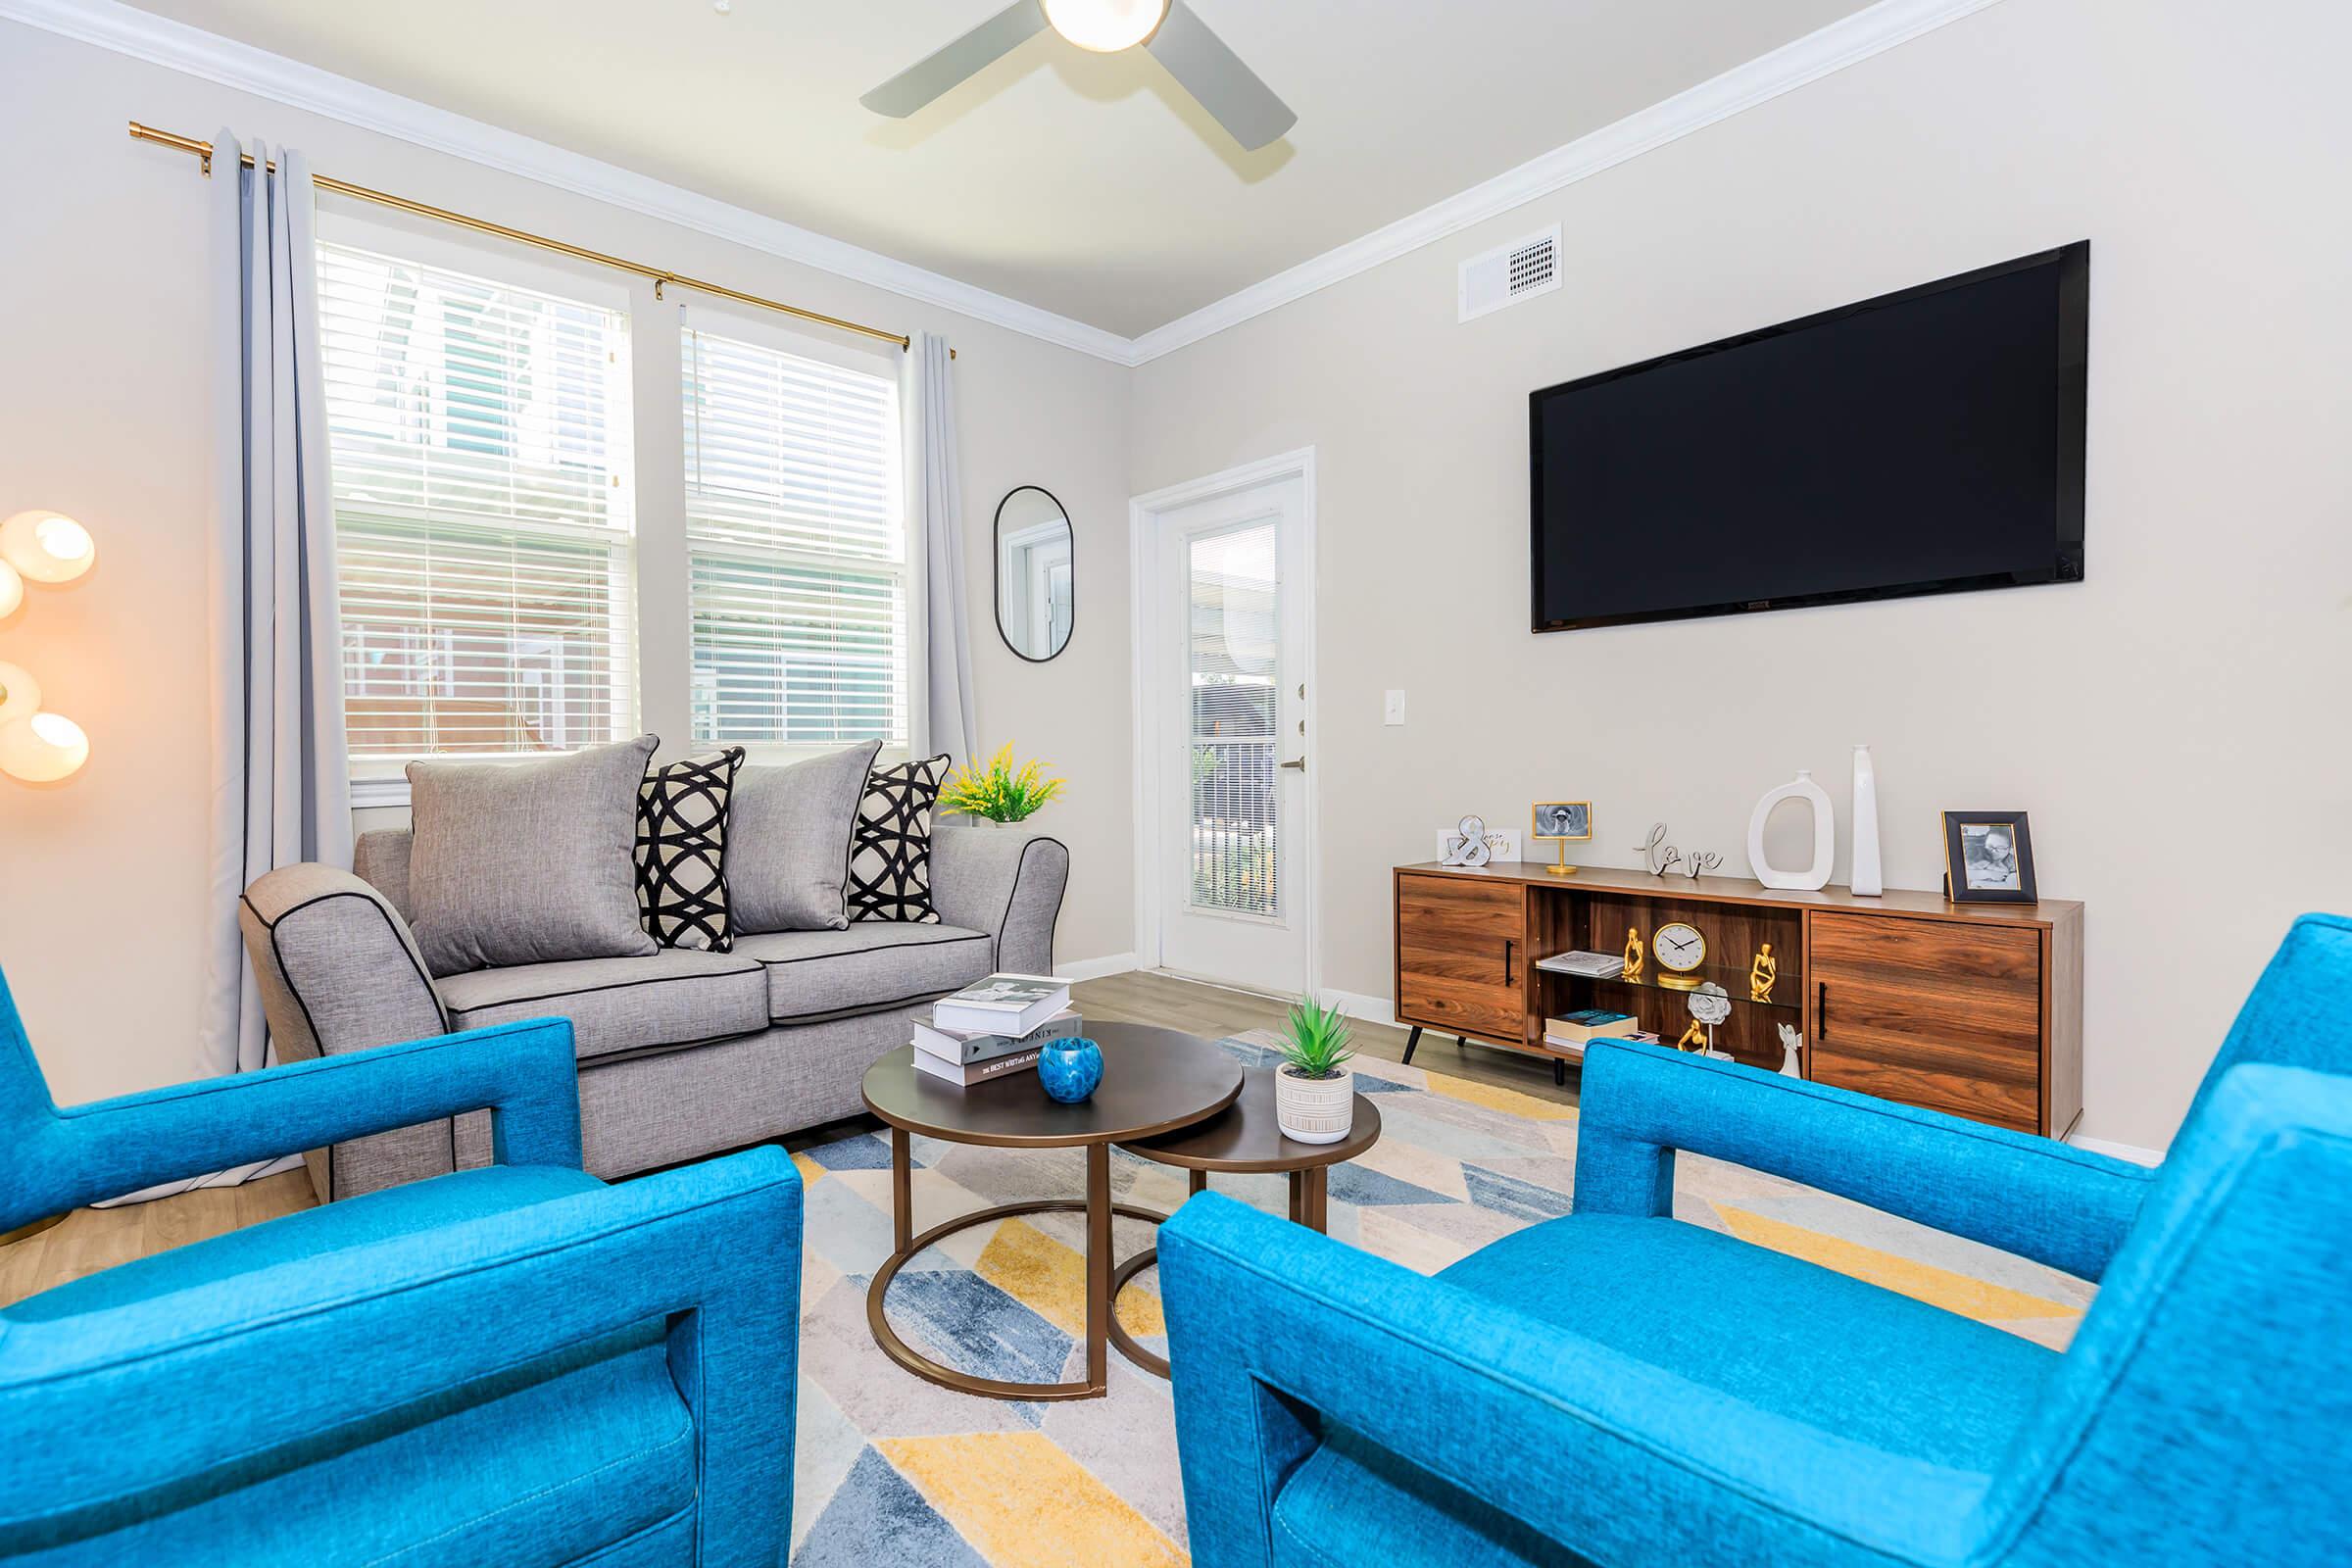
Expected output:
(892, 1469)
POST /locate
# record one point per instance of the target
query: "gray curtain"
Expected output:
(281, 775)
(943, 720)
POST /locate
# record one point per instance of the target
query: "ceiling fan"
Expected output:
(1166, 28)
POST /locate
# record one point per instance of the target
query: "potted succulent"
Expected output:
(999, 792)
(1314, 1088)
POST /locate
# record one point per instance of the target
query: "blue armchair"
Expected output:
(513, 1365)
(1570, 1395)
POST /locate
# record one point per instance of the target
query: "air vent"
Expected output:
(1509, 273)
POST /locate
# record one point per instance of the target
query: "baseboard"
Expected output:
(1096, 968)
(2131, 1151)
(1364, 1009)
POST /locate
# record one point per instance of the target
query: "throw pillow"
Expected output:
(791, 833)
(889, 855)
(527, 862)
(681, 850)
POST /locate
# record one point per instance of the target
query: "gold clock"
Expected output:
(1680, 950)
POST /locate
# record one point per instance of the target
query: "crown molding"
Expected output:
(1816, 55)
(143, 35)
(177, 46)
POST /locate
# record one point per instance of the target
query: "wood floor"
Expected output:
(93, 1239)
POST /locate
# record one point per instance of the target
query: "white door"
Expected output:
(1227, 715)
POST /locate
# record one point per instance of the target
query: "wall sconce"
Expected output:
(48, 548)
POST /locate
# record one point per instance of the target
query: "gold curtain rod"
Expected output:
(662, 277)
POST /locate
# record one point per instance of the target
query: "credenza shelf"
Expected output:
(1974, 1009)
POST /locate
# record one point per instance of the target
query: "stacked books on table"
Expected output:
(992, 1028)
(1567, 1035)
(1592, 966)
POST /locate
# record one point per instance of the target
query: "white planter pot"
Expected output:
(1314, 1110)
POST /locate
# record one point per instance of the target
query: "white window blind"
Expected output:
(480, 445)
(796, 548)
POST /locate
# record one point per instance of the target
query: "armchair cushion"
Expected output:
(676, 997)
(874, 965)
(1901, 1376)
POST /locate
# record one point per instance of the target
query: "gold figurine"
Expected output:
(1762, 973)
(1633, 953)
(1694, 1038)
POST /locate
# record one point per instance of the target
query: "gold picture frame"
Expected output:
(1543, 829)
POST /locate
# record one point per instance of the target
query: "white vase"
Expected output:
(1825, 837)
(1869, 880)
(1314, 1110)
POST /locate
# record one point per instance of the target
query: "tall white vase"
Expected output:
(1869, 880)
(1825, 837)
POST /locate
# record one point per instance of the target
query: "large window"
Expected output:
(796, 547)
(481, 440)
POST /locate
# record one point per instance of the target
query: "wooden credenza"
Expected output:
(1974, 1009)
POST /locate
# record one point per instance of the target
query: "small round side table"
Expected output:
(1243, 1138)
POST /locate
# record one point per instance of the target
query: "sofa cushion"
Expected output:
(870, 966)
(527, 862)
(890, 852)
(677, 996)
(788, 861)
(682, 850)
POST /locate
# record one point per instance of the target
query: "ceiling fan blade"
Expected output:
(1216, 76)
(907, 92)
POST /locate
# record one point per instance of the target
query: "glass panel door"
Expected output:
(1234, 661)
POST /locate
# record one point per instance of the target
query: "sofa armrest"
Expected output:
(1006, 881)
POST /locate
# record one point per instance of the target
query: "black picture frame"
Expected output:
(997, 575)
(1957, 874)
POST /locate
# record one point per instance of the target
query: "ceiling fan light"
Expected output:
(1105, 26)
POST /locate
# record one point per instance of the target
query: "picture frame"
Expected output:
(1561, 822)
(1988, 858)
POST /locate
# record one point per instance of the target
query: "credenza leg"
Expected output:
(1410, 1040)
(1559, 1073)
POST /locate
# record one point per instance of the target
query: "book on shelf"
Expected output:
(1003, 1005)
(1574, 1047)
(1589, 1023)
(965, 1074)
(965, 1046)
(1592, 966)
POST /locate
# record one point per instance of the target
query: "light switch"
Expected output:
(1392, 713)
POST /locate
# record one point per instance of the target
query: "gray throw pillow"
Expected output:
(788, 845)
(527, 862)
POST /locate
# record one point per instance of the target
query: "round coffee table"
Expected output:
(1153, 1081)
(1246, 1138)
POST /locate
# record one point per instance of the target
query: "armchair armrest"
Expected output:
(1005, 881)
(2035, 1196)
(205, 1388)
(523, 1073)
(1280, 1338)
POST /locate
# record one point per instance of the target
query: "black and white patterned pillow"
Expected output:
(890, 848)
(681, 850)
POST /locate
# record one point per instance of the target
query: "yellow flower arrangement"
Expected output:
(999, 792)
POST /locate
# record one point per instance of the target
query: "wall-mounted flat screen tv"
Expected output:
(1924, 442)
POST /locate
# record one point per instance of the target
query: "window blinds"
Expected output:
(797, 550)
(480, 444)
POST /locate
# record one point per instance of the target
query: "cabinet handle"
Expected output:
(1508, 942)
(1821, 1011)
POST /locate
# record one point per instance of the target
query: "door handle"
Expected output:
(1821, 1010)
(1508, 942)
(1299, 763)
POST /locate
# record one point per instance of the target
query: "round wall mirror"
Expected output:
(1034, 604)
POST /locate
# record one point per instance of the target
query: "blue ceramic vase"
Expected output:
(1070, 1069)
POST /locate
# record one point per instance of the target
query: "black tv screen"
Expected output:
(1928, 441)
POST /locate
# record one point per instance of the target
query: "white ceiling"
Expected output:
(1089, 185)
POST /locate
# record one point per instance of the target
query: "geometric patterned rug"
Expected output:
(892, 1469)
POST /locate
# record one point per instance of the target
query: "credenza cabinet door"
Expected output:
(1940, 1015)
(1461, 955)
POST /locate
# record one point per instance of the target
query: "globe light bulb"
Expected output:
(47, 546)
(19, 694)
(12, 589)
(42, 748)
(1105, 26)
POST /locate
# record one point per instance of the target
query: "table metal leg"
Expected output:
(1318, 1199)
(1098, 1264)
(1199, 1182)
(1298, 1197)
(902, 1188)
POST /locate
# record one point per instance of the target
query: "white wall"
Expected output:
(105, 381)
(2175, 724)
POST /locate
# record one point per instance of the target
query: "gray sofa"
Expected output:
(682, 1054)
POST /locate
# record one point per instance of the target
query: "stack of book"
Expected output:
(1567, 1035)
(1592, 965)
(992, 1028)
